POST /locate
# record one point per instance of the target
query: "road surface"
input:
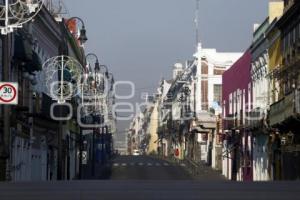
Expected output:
(145, 178)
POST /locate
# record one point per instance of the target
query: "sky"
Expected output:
(140, 40)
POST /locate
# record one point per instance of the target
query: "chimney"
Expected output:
(276, 8)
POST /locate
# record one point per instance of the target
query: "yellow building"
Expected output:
(284, 112)
(275, 62)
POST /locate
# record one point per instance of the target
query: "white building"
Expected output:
(210, 67)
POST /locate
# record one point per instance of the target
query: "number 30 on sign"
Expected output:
(8, 93)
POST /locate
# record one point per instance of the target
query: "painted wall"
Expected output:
(275, 9)
(236, 96)
(238, 77)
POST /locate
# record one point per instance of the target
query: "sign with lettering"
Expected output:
(8, 93)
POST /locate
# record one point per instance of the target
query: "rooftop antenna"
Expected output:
(197, 23)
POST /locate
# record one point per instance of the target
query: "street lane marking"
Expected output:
(141, 164)
(150, 164)
(166, 164)
(116, 164)
(132, 164)
(157, 164)
(124, 164)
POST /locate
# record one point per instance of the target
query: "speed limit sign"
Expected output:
(8, 93)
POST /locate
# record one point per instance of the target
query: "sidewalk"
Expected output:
(200, 171)
(101, 172)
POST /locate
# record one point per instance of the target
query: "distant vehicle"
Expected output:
(136, 152)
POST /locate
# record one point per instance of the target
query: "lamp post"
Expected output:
(82, 39)
(112, 80)
(82, 36)
(96, 82)
(106, 70)
(13, 15)
(111, 102)
(62, 77)
(104, 127)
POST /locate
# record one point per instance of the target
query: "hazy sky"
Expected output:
(141, 39)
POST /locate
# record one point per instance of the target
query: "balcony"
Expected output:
(229, 122)
(255, 118)
(287, 107)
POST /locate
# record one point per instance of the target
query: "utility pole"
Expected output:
(80, 153)
(102, 145)
(197, 23)
(5, 146)
(60, 175)
(93, 152)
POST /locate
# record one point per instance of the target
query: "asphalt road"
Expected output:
(146, 168)
(148, 178)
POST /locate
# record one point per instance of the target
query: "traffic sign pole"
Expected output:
(5, 150)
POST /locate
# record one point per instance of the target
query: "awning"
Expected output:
(198, 129)
(206, 120)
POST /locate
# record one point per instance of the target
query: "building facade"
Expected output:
(237, 102)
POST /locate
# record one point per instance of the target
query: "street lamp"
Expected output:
(111, 77)
(106, 70)
(82, 36)
(97, 64)
(62, 77)
(97, 107)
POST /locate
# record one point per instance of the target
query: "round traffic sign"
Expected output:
(8, 93)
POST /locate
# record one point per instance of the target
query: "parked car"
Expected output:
(136, 152)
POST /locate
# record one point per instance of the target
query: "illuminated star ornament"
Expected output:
(15, 13)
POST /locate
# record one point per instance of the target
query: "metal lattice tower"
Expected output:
(197, 23)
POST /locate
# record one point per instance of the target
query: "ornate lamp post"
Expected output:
(112, 80)
(13, 14)
(95, 88)
(96, 67)
(65, 94)
(62, 77)
(82, 36)
(111, 102)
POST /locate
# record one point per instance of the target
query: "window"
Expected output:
(230, 104)
(218, 94)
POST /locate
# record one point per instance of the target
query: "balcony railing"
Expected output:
(229, 121)
(255, 118)
(285, 108)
